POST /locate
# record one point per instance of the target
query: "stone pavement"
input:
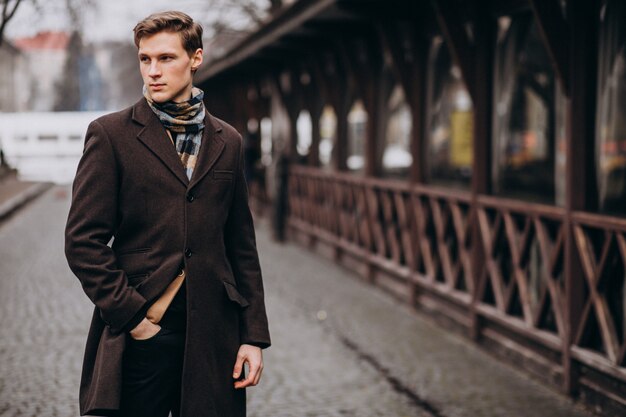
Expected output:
(15, 193)
(340, 347)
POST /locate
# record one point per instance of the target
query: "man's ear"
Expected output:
(196, 60)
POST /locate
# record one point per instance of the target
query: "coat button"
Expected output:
(188, 253)
(190, 197)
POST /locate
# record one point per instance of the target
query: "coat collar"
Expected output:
(154, 137)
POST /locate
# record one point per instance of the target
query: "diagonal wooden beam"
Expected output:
(461, 47)
(555, 32)
(394, 45)
(292, 100)
(408, 49)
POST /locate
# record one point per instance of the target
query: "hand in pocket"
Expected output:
(145, 330)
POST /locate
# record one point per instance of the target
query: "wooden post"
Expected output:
(291, 98)
(417, 91)
(485, 33)
(239, 118)
(315, 110)
(340, 150)
(580, 192)
(314, 102)
(340, 94)
(372, 106)
(475, 60)
(371, 74)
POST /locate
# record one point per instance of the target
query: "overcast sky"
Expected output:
(115, 19)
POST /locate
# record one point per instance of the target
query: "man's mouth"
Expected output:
(157, 86)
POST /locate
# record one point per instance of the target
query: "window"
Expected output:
(266, 141)
(525, 113)
(305, 134)
(450, 120)
(252, 150)
(397, 158)
(328, 131)
(610, 120)
(357, 124)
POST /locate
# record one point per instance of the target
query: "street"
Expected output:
(340, 347)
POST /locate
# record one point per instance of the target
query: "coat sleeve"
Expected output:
(242, 254)
(91, 223)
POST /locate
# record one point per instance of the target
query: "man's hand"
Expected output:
(254, 357)
(144, 330)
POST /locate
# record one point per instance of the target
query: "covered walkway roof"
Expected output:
(454, 238)
(307, 25)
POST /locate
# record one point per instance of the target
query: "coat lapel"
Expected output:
(154, 137)
(210, 149)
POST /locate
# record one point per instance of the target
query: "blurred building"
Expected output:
(119, 77)
(56, 71)
(10, 60)
(44, 58)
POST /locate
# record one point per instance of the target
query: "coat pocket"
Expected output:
(234, 296)
(223, 175)
(134, 263)
(137, 279)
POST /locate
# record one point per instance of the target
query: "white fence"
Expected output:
(44, 146)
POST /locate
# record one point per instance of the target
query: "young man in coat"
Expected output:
(161, 237)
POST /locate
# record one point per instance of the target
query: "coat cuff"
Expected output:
(119, 317)
(260, 345)
(256, 337)
(137, 318)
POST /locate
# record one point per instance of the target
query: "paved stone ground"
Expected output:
(14, 193)
(341, 348)
(10, 186)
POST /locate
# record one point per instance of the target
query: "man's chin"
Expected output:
(159, 96)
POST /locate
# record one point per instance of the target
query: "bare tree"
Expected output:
(76, 10)
(227, 21)
(9, 7)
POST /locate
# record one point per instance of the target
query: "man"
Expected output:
(178, 292)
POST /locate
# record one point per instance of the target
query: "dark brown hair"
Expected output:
(177, 22)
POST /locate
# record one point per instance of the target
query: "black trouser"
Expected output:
(151, 375)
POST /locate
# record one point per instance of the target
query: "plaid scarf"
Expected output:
(184, 123)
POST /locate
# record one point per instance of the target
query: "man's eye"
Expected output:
(166, 58)
(144, 59)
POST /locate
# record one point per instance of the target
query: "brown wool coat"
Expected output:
(131, 186)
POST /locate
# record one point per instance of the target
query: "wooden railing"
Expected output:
(500, 264)
(599, 335)
(522, 283)
(422, 236)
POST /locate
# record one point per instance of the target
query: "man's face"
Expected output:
(166, 68)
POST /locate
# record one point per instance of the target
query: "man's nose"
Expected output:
(155, 70)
